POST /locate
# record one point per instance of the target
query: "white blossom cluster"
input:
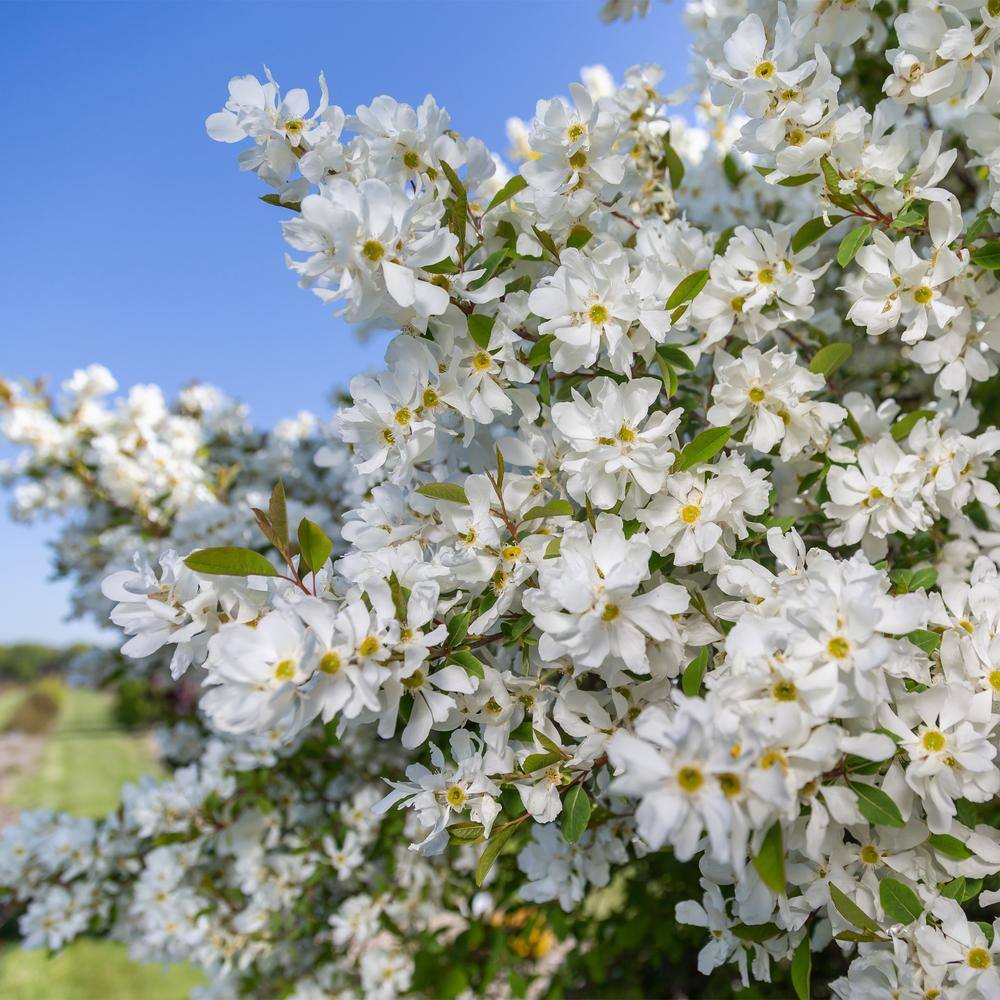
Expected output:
(678, 519)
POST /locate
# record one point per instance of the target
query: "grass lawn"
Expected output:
(89, 970)
(86, 760)
(84, 763)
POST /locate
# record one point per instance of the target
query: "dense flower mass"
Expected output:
(669, 530)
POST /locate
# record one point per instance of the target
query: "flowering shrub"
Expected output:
(654, 575)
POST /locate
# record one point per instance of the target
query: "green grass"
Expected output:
(89, 970)
(9, 700)
(85, 761)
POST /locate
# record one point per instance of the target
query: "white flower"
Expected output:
(587, 604)
(615, 442)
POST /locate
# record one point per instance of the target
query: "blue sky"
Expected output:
(133, 240)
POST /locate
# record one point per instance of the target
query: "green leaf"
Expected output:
(797, 181)
(901, 904)
(459, 207)
(852, 243)
(516, 184)
(955, 889)
(675, 165)
(579, 236)
(675, 357)
(491, 267)
(458, 628)
(467, 831)
(229, 561)
(923, 579)
(445, 266)
(314, 545)
(668, 375)
(687, 288)
(902, 427)
(514, 630)
(702, 448)
(828, 359)
(851, 912)
(876, 806)
(802, 968)
(468, 662)
(731, 170)
(554, 508)
(949, 846)
(988, 256)
(694, 672)
(274, 199)
(722, 241)
(264, 523)
(785, 523)
(575, 814)
(979, 226)
(451, 492)
(538, 761)
(927, 641)
(833, 192)
(480, 329)
(277, 512)
(755, 932)
(859, 936)
(546, 240)
(493, 848)
(549, 743)
(541, 351)
(812, 230)
(770, 859)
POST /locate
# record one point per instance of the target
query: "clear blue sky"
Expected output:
(133, 240)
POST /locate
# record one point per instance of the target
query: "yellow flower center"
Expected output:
(611, 612)
(482, 361)
(690, 779)
(923, 295)
(690, 513)
(285, 670)
(388, 437)
(994, 679)
(576, 132)
(294, 126)
(403, 416)
(578, 160)
(978, 958)
(764, 70)
(373, 251)
(876, 494)
(455, 796)
(730, 784)
(765, 276)
(784, 691)
(838, 647)
(626, 435)
(511, 552)
(369, 646)
(598, 314)
(737, 303)
(330, 663)
(869, 854)
(410, 160)
(415, 680)
(431, 398)
(933, 740)
(756, 394)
